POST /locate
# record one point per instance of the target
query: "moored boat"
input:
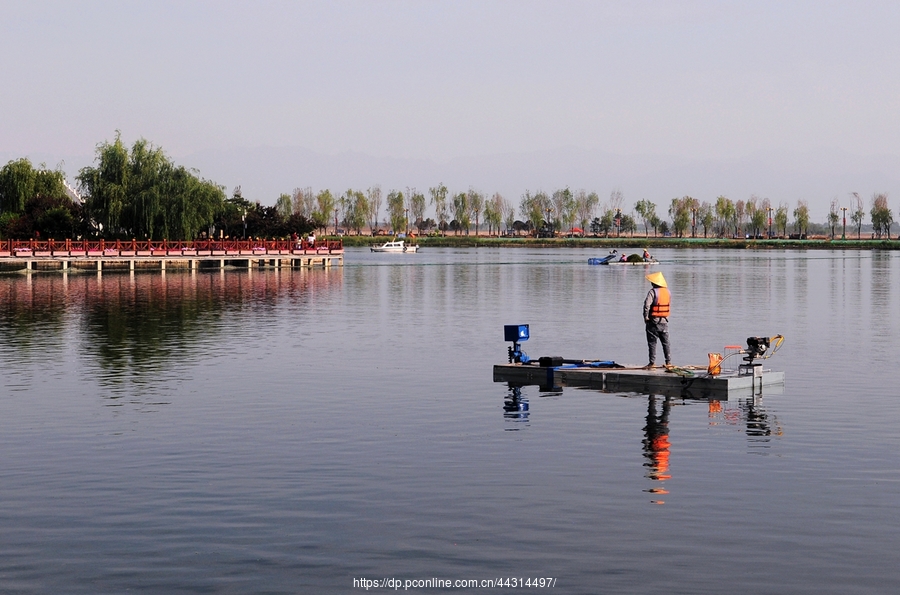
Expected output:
(396, 246)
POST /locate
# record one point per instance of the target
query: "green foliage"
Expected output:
(439, 200)
(585, 205)
(882, 218)
(284, 206)
(680, 211)
(706, 217)
(476, 207)
(493, 212)
(416, 206)
(396, 213)
(563, 202)
(324, 209)
(833, 216)
(781, 219)
(534, 207)
(801, 217)
(356, 210)
(725, 214)
(20, 182)
(461, 210)
(646, 210)
(141, 194)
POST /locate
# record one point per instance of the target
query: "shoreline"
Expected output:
(482, 241)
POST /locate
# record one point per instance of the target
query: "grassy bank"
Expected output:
(473, 241)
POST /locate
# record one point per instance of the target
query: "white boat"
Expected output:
(398, 246)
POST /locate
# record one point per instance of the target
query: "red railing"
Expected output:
(165, 247)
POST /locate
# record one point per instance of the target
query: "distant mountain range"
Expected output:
(265, 172)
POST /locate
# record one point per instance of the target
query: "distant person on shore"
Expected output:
(656, 318)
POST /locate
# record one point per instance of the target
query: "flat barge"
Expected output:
(713, 381)
(688, 381)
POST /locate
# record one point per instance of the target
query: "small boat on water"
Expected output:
(614, 258)
(397, 246)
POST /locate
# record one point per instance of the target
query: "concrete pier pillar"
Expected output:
(131, 264)
(99, 265)
(162, 265)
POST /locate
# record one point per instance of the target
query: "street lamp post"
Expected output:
(549, 224)
(693, 222)
(335, 221)
(406, 220)
(769, 218)
(844, 230)
(618, 222)
(244, 221)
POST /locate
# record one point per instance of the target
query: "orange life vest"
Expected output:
(661, 300)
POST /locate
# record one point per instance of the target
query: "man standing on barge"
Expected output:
(656, 317)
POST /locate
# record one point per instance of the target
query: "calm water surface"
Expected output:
(287, 432)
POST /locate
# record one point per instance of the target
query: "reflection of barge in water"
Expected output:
(703, 382)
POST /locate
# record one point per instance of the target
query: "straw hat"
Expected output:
(657, 279)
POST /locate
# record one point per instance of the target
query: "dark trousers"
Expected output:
(658, 328)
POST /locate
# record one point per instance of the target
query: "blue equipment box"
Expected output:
(515, 332)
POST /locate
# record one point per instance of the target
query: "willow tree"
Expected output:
(104, 186)
(21, 182)
(801, 217)
(781, 218)
(373, 199)
(356, 210)
(475, 202)
(461, 210)
(493, 212)
(395, 206)
(140, 193)
(858, 213)
(417, 204)
(724, 213)
(646, 209)
(439, 200)
(534, 207)
(585, 205)
(324, 209)
(881, 215)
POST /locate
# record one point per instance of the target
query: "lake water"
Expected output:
(291, 431)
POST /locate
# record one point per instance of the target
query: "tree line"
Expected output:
(542, 213)
(135, 192)
(138, 192)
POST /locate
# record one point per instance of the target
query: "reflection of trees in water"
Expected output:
(32, 315)
(135, 326)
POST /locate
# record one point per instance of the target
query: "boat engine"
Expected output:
(758, 348)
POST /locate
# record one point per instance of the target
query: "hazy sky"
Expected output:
(439, 80)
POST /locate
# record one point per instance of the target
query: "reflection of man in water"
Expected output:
(656, 442)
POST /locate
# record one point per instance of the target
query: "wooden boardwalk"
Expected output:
(48, 255)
